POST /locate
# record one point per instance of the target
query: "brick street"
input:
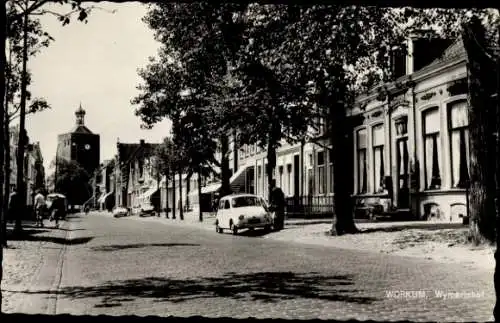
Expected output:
(97, 264)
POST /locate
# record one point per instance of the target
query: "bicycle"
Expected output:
(39, 216)
(54, 216)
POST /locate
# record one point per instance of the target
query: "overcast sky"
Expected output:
(95, 64)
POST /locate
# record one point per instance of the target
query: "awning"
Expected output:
(170, 181)
(146, 195)
(238, 179)
(211, 188)
(103, 197)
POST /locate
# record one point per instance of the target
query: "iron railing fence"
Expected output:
(309, 207)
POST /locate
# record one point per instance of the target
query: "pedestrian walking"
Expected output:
(277, 205)
(39, 208)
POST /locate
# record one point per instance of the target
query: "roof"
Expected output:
(127, 152)
(455, 50)
(81, 129)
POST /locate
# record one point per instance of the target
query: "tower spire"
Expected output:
(80, 116)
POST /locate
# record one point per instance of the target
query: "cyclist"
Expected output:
(57, 210)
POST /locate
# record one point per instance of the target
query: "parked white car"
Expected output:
(242, 211)
(147, 210)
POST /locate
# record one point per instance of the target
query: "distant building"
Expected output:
(134, 175)
(34, 171)
(80, 145)
(104, 179)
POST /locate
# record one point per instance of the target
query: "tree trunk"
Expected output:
(6, 167)
(271, 165)
(225, 185)
(6, 147)
(166, 197)
(339, 137)
(174, 202)
(496, 276)
(188, 189)
(200, 213)
(6, 141)
(2, 111)
(482, 118)
(181, 211)
(21, 187)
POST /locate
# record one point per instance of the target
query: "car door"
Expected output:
(227, 212)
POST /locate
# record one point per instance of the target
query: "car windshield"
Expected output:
(243, 201)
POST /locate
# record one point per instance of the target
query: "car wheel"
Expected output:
(234, 228)
(267, 228)
(217, 228)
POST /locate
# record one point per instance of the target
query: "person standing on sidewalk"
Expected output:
(14, 205)
(278, 205)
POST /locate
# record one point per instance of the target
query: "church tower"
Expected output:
(80, 144)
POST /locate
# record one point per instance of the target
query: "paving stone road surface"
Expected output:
(97, 264)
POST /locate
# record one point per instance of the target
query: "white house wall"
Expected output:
(430, 91)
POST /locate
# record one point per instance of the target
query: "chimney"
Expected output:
(142, 142)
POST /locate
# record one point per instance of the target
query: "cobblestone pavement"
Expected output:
(26, 260)
(396, 238)
(123, 266)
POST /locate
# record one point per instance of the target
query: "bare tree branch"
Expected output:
(33, 7)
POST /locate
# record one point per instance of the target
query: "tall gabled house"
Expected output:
(135, 178)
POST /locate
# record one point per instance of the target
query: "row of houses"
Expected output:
(34, 171)
(410, 151)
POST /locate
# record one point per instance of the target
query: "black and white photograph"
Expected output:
(298, 161)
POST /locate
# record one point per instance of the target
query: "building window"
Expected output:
(321, 172)
(378, 158)
(141, 168)
(289, 179)
(402, 158)
(266, 176)
(280, 170)
(459, 144)
(259, 176)
(361, 161)
(432, 149)
(330, 160)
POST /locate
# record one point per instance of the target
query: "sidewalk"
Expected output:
(446, 243)
(29, 260)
